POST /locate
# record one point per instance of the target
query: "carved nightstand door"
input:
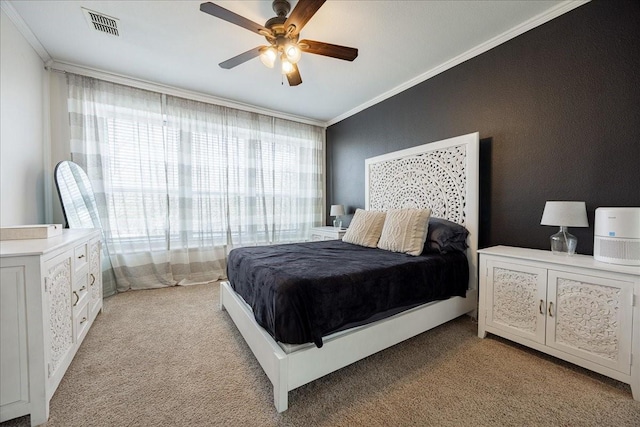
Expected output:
(590, 317)
(517, 299)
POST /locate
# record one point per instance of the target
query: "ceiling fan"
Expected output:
(282, 33)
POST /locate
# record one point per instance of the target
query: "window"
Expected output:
(178, 176)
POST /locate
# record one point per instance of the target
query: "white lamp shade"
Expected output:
(567, 214)
(336, 210)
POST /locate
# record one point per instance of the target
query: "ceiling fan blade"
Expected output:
(222, 13)
(328, 49)
(243, 57)
(294, 76)
(301, 14)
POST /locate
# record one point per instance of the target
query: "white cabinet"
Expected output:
(571, 307)
(327, 233)
(51, 291)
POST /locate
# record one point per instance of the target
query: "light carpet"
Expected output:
(171, 357)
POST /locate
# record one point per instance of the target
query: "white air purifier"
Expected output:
(617, 236)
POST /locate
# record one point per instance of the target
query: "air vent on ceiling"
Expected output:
(101, 22)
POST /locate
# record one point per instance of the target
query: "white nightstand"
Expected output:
(327, 233)
(572, 307)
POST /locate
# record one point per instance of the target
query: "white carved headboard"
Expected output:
(442, 175)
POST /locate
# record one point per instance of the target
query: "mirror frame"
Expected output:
(88, 196)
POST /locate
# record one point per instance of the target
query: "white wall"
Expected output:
(59, 127)
(22, 124)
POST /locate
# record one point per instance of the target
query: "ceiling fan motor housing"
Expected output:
(280, 35)
(281, 7)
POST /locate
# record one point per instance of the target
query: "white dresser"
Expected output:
(50, 293)
(572, 307)
(327, 233)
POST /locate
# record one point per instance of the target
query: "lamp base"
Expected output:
(563, 243)
(337, 223)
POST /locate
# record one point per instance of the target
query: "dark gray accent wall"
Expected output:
(558, 111)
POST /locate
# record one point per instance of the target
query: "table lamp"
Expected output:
(337, 211)
(564, 215)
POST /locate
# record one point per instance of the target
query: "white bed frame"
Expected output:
(440, 175)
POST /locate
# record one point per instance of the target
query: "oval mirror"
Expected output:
(76, 196)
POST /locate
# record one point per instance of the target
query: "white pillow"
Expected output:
(405, 230)
(365, 228)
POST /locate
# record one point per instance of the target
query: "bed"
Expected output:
(441, 176)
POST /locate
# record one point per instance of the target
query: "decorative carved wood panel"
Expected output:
(515, 299)
(587, 317)
(436, 179)
(60, 316)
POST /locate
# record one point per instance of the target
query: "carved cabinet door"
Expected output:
(58, 273)
(516, 299)
(591, 317)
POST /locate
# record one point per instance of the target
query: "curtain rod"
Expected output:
(55, 70)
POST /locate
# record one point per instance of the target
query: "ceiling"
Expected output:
(172, 43)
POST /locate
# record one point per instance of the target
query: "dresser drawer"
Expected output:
(80, 293)
(81, 321)
(81, 256)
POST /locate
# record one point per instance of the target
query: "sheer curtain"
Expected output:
(179, 182)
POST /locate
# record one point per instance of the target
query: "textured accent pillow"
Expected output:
(365, 228)
(405, 230)
(445, 236)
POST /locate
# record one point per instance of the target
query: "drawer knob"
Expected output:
(84, 319)
(83, 288)
(77, 298)
(80, 256)
(93, 279)
(550, 309)
(540, 308)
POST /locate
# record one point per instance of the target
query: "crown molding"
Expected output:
(536, 21)
(8, 8)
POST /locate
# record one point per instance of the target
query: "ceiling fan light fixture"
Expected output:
(293, 52)
(268, 56)
(282, 33)
(287, 66)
